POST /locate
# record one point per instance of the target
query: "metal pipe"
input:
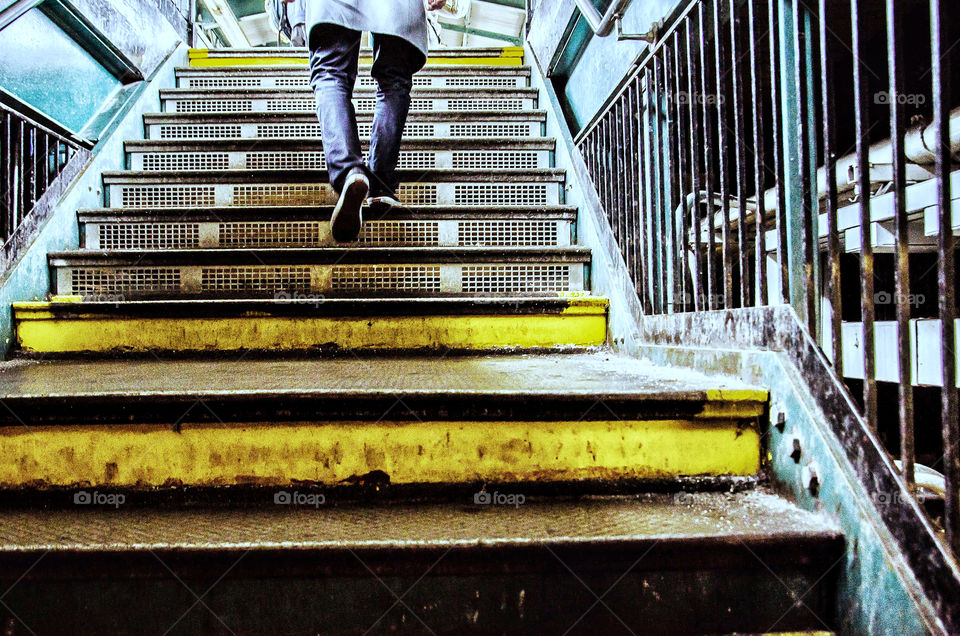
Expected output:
(602, 25)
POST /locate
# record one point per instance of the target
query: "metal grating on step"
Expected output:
(423, 233)
(490, 130)
(480, 81)
(494, 159)
(167, 196)
(368, 82)
(287, 82)
(485, 104)
(186, 161)
(274, 131)
(149, 236)
(418, 194)
(286, 160)
(118, 281)
(200, 131)
(415, 104)
(286, 194)
(507, 233)
(505, 279)
(214, 106)
(410, 130)
(386, 278)
(501, 194)
(290, 105)
(255, 279)
(223, 82)
(417, 160)
(270, 234)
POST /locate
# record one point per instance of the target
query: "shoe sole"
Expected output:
(347, 220)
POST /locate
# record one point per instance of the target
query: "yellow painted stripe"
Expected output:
(217, 62)
(39, 331)
(410, 452)
(510, 56)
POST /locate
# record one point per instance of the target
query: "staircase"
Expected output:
(236, 425)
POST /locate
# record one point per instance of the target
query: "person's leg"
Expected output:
(334, 55)
(394, 62)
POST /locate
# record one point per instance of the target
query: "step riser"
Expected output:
(110, 284)
(315, 160)
(268, 233)
(652, 589)
(302, 80)
(432, 452)
(43, 333)
(196, 195)
(311, 130)
(308, 104)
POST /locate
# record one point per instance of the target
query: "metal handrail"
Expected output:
(601, 25)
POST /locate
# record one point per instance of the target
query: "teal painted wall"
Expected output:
(605, 61)
(29, 277)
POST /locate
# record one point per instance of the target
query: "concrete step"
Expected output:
(266, 100)
(459, 57)
(419, 419)
(298, 321)
(304, 226)
(320, 272)
(726, 563)
(491, 153)
(297, 75)
(427, 124)
(202, 189)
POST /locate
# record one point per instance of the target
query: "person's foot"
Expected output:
(382, 204)
(347, 217)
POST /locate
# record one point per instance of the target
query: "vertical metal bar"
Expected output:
(30, 164)
(723, 151)
(803, 156)
(39, 163)
(630, 136)
(683, 169)
(736, 69)
(670, 201)
(642, 155)
(862, 126)
(656, 99)
(830, 170)
(773, 23)
(708, 138)
(901, 231)
(759, 168)
(946, 272)
(618, 150)
(698, 287)
(605, 165)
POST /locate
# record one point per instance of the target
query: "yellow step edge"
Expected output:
(410, 452)
(40, 331)
(510, 56)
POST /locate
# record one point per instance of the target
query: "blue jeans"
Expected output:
(334, 56)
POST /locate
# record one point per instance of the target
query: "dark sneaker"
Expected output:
(347, 217)
(383, 204)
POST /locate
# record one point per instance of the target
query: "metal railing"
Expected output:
(738, 169)
(32, 155)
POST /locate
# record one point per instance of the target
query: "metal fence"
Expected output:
(763, 151)
(32, 155)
